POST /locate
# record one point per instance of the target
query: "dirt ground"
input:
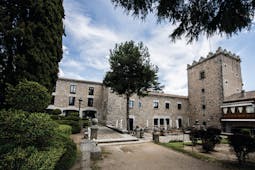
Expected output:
(150, 156)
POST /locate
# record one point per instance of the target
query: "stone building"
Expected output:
(210, 80)
(212, 83)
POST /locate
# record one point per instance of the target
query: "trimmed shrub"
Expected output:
(68, 158)
(56, 112)
(54, 117)
(24, 129)
(74, 118)
(64, 129)
(44, 160)
(28, 96)
(74, 114)
(76, 128)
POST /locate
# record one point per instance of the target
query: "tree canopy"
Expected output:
(131, 71)
(195, 17)
(30, 42)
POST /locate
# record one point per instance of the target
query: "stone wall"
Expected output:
(143, 114)
(207, 94)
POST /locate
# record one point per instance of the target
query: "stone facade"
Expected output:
(210, 81)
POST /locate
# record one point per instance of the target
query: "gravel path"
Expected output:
(149, 156)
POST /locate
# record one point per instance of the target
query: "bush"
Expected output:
(44, 160)
(54, 117)
(74, 114)
(65, 130)
(210, 138)
(56, 112)
(24, 129)
(68, 158)
(243, 144)
(76, 128)
(28, 96)
(74, 118)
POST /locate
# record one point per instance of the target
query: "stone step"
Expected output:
(116, 140)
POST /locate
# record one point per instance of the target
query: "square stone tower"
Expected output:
(210, 80)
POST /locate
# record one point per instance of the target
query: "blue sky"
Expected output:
(94, 26)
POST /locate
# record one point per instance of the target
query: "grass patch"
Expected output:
(224, 141)
(178, 146)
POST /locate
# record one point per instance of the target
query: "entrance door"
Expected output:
(131, 123)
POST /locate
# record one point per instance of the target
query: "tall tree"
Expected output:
(196, 17)
(131, 72)
(30, 41)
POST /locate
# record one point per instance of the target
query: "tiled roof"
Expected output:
(240, 96)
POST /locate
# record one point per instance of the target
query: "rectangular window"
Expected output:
(91, 91)
(131, 103)
(161, 121)
(167, 121)
(202, 75)
(155, 104)
(90, 102)
(71, 101)
(203, 106)
(167, 105)
(72, 89)
(155, 122)
(179, 106)
(52, 100)
(202, 90)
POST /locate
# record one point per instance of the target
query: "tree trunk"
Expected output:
(127, 114)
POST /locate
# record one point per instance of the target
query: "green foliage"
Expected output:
(243, 144)
(76, 128)
(54, 117)
(30, 41)
(44, 160)
(74, 114)
(131, 71)
(194, 18)
(23, 129)
(64, 129)
(68, 158)
(34, 141)
(28, 96)
(56, 112)
(74, 118)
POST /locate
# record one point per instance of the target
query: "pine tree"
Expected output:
(196, 17)
(30, 41)
(131, 72)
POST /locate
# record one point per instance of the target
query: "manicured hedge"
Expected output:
(34, 141)
(65, 130)
(68, 158)
(76, 128)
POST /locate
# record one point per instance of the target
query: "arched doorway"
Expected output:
(89, 114)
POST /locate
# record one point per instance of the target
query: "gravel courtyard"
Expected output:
(150, 156)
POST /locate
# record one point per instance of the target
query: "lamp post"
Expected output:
(80, 100)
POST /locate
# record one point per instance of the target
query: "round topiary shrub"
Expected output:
(28, 96)
(56, 112)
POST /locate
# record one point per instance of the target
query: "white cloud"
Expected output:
(93, 41)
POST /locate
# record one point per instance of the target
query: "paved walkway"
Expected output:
(149, 156)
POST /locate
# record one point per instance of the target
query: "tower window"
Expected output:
(202, 90)
(203, 106)
(167, 105)
(155, 104)
(202, 75)
(179, 106)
